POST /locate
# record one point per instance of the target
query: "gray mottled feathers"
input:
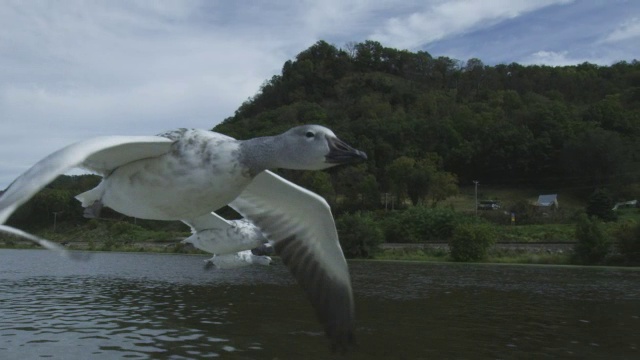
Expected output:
(175, 134)
(219, 236)
(301, 226)
(331, 299)
(236, 260)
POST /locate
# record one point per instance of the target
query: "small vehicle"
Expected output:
(489, 205)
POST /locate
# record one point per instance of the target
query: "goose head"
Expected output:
(314, 147)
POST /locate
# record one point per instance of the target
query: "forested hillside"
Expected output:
(426, 121)
(428, 125)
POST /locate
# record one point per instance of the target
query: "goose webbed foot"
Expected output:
(208, 265)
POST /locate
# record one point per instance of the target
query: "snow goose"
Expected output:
(227, 240)
(186, 174)
(236, 260)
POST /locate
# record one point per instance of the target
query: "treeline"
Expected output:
(428, 125)
(54, 203)
(426, 122)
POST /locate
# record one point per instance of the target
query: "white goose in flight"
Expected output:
(228, 241)
(187, 174)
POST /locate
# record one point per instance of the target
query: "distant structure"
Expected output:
(549, 201)
(626, 204)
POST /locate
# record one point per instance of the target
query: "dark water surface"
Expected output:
(139, 306)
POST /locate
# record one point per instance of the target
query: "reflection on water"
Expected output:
(168, 306)
(498, 312)
(106, 315)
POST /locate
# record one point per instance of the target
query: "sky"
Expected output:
(71, 70)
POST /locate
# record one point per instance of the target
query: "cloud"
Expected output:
(630, 30)
(550, 58)
(125, 62)
(335, 18)
(437, 20)
(74, 69)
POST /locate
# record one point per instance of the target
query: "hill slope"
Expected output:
(574, 126)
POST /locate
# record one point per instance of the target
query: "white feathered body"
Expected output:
(200, 174)
(240, 235)
(240, 259)
(187, 174)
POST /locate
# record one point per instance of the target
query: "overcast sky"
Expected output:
(71, 70)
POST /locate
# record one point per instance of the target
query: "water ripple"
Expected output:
(136, 317)
(137, 306)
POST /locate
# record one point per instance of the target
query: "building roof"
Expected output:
(547, 200)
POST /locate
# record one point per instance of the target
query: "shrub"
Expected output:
(420, 223)
(8, 242)
(123, 228)
(110, 243)
(628, 236)
(396, 229)
(600, 204)
(592, 245)
(525, 212)
(93, 224)
(471, 241)
(360, 235)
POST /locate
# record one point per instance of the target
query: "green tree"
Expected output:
(610, 114)
(471, 241)
(443, 185)
(398, 173)
(628, 236)
(592, 244)
(600, 204)
(318, 182)
(418, 182)
(360, 235)
(420, 224)
(411, 177)
(600, 156)
(359, 189)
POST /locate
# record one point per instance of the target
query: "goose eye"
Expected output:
(309, 134)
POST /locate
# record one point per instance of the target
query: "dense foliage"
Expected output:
(471, 242)
(416, 115)
(359, 235)
(420, 224)
(600, 204)
(628, 236)
(592, 244)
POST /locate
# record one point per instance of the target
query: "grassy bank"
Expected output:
(556, 227)
(385, 255)
(511, 257)
(108, 236)
(148, 247)
(403, 254)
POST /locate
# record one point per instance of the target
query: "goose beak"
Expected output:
(341, 153)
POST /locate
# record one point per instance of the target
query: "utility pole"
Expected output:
(476, 182)
(55, 219)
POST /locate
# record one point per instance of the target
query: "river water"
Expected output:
(155, 306)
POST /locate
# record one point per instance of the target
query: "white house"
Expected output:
(547, 201)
